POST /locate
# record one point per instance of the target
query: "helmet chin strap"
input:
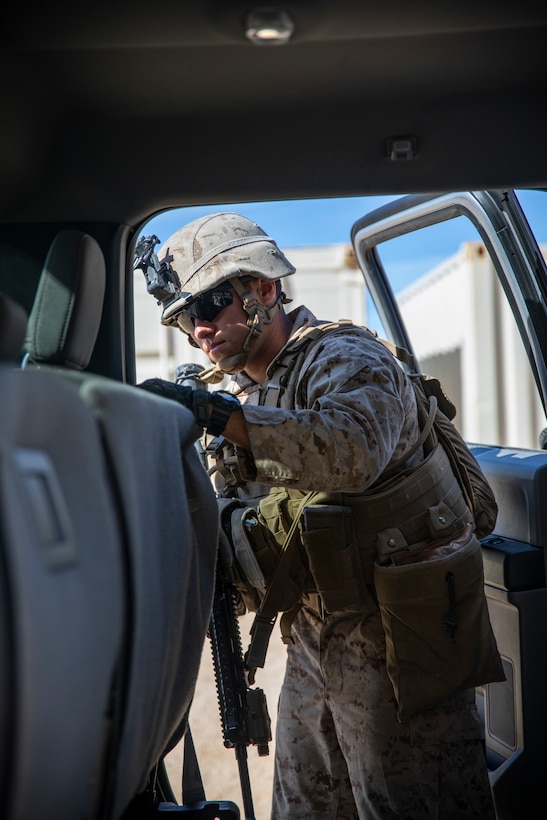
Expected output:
(258, 316)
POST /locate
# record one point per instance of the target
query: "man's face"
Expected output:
(224, 335)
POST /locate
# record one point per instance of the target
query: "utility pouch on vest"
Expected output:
(258, 536)
(477, 492)
(439, 640)
(334, 563)
(417, 506)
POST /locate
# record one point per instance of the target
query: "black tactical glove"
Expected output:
(169, 390)
(211, 410)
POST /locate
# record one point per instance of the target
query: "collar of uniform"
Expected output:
(302, 319)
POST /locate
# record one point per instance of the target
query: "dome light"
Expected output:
(268, 27)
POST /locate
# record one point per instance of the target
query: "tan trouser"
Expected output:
(341, 754)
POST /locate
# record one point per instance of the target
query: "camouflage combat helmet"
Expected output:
(218, 248)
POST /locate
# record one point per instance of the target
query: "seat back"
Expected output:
(61, 600)
(66, 314)
(170, 516)
(167, 514)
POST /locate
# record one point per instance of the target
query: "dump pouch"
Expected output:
(439, 640)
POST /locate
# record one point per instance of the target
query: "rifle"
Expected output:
(243, 710)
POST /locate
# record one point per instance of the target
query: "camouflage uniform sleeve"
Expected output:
(353, 413)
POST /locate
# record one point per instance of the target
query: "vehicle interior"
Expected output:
(112, 114)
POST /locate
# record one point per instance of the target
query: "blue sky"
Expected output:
(291, 224)
(329, 221)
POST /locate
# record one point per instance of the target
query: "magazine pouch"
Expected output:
(334, 561)
(439, 640)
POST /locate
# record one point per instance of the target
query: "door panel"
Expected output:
(475, 317)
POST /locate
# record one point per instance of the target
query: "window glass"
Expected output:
(315, 236)
(463, 331)
(457, 315)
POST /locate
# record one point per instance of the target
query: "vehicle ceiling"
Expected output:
(112, 111)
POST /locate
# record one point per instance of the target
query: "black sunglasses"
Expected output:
(205, 307)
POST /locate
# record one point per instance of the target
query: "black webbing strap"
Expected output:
(195, 806)
(193, 791)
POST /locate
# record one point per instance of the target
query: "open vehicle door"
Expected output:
(478, 322)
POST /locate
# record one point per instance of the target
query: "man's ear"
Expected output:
(265, 291)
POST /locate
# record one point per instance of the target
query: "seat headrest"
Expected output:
(66, 313)
(13, 324)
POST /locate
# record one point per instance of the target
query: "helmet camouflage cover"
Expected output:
(216, 248)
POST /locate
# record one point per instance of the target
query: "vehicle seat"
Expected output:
(61, 599)
(167, 512)
(66, 314)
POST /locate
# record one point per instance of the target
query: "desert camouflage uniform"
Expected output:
(350, 413)
(340, 751)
